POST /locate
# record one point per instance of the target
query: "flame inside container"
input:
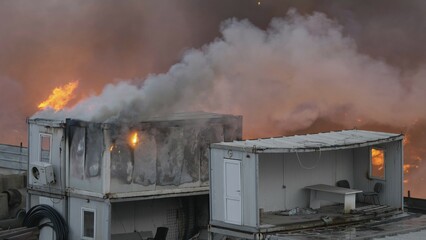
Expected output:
(134, 139)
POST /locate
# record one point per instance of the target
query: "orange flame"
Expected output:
(134, 139)
(60, 97)
(377, 157)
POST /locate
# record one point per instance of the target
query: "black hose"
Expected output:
(39, 212)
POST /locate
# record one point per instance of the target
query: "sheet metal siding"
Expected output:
(271, 182)
(102, 215)
(57, 157)
(361, 170)
(182, 162)
(344, 166)
(248, 186)
(216, 185)
(59, 205)
(248, 190)
(392, 190)
(13, 157)
(401, 172)
(393, 187)
(79, 174)
(316, 169)
(277, 170)
(172, 154)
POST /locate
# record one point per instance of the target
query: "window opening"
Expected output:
(45, 147)
(377, 163)
(88, 223)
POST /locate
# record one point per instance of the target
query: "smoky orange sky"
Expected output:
(48, 43)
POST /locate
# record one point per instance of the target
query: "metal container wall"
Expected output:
(55, 132)
(168, 156)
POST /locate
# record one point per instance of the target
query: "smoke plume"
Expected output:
(300, 69)
(325, 66)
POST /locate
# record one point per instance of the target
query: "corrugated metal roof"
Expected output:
(312, 142)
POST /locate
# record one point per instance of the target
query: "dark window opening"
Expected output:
(88, 224)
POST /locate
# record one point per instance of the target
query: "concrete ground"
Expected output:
(403, 226)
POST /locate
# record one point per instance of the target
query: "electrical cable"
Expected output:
(39, 212)
(308, 168)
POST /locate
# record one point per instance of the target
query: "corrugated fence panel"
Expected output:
(13, 157)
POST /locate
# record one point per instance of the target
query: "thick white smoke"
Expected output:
(298, 70)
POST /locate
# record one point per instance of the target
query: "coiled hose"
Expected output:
(57, 222)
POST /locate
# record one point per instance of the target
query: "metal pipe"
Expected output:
(13, 222)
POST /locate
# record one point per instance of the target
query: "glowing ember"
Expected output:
(407, 168)
(134, 139)
(60, 97)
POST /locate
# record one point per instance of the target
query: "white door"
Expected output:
(232, 191)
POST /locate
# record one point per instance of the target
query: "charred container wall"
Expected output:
(155, 156)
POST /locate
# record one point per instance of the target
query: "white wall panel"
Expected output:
(249, 198)
(392, 189)
(295, 171)
(102, 216)
(216, 185)
(56, 158)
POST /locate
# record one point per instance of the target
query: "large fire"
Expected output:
(60, 97)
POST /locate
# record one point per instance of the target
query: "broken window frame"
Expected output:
(370, 172)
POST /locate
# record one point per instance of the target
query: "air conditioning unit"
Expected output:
(41, 173)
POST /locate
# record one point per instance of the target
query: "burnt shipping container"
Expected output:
(87, 168)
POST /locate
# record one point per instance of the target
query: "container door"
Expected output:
(232, 174)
